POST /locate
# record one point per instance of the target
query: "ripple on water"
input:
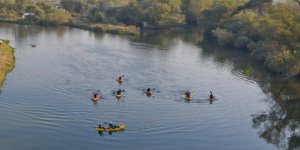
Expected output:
(48, 100)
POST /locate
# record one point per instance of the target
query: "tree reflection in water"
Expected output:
(280, 125)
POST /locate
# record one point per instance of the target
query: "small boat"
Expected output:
(120, 81)
(118, 96)
(96, 98)
(110, 127)
(149, 94)
(188, 98)
(33, 45)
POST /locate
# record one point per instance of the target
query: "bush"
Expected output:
(251, 46)
(241, 42)
(100, 16)
(58, 16)
(223, 36)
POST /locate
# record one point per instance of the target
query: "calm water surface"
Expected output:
(45, 102)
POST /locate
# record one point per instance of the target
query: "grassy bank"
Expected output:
(7, 60)
(103, 28)
(107, 28)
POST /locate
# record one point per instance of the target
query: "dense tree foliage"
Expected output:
(40, 11)
(58, 16)
(270, 33)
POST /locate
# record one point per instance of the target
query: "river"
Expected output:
(45, 101)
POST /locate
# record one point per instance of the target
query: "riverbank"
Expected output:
(99, 27)
(7, 60)
(107, 28)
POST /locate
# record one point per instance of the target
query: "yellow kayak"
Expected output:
(188, 98)
(120, 81)
(111, 129)
(118, 96)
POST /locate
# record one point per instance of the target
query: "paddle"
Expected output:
(121, 76)
(153, 89)
(98, 92)
(184, 91)
(211, 96)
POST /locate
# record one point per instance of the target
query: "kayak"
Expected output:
(96, 98)
(111, 129)
(148, 93)
(188, 98)
(120, 81)
(118, 96)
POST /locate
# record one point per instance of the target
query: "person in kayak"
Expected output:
(148, 92)
(112, 125)
(119, 92)
(96, 95)
(187, 94)
(211, 96)
(120, 78)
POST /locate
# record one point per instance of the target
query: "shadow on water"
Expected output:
(23, 31)
(164, 40)
(280, 125)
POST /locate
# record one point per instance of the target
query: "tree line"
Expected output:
(268, 30)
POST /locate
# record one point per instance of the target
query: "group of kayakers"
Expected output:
(148, 92)
(188, 96)
(110, 127)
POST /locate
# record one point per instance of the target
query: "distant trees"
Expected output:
(270, 33)
(39, 13)
(58, 16)
(162, 13)
(76, 6)
(148, 14)
(41, 10)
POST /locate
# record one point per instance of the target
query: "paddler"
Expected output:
(187, 94)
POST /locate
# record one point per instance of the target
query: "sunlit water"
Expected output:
(45, 102)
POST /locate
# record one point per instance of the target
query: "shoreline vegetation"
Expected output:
(107, 28)
(268, 30)
(7, 60)
(96, 27)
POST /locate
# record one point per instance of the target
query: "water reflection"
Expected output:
(22, 32)
(165, 40)
(280, 125)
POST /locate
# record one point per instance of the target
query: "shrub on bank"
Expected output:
(7, 60)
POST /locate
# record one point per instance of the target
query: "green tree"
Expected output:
(47, 8)
(21, 5)
(223, 36)
(58, 16)
(39, 13)
(195, 8)
(76, 6)
(163, 13)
